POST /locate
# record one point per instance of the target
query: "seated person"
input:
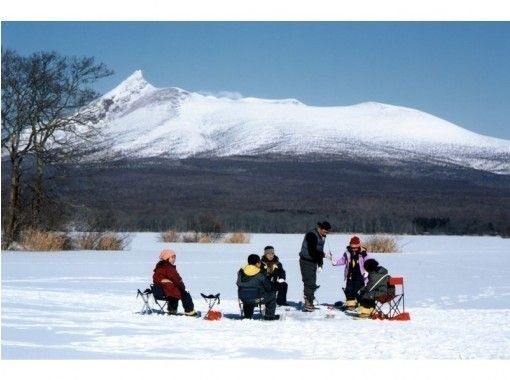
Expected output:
(276, 274)
(376, 286)
(166, 276)
(250, 277)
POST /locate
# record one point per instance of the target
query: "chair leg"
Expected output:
(241, 311)
(161, 307)
(146, 307)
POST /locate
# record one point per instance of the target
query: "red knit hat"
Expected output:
(355, 242)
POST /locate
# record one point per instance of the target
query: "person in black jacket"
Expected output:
(276, 274)
(251, 278)
(377, 286)
(311, 259)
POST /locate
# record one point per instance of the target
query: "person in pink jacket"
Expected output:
(355, 275)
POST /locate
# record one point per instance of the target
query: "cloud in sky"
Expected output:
(233, 95)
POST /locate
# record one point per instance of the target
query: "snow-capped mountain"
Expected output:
(145, 121)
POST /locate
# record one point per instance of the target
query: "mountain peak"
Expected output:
(137, 76)
(135, 81)
(135, 84)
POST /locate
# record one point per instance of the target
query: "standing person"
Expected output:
(376, 286)
(355, 275)
(276, 274)
(251, 277)
(166, 276)
(311, 258)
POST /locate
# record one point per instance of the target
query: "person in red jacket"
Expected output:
(166, 276)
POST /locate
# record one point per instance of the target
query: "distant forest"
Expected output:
(278, 195)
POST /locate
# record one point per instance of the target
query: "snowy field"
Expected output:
(83, 305)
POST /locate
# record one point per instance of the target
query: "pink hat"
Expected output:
(166, 254)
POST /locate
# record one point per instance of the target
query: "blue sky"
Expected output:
(458, 71)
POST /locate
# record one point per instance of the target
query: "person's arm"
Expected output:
(341, 261)
(266, 283)
(176, 279)
(370, 290)
(281, 272)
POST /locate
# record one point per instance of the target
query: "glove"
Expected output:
(319, 269)
(328, 256)
(280, 280)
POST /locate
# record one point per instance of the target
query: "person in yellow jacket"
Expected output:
(253, 285)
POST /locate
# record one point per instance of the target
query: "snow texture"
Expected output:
(144, 121)
(83, 305)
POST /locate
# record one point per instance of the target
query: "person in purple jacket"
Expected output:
(355, 275)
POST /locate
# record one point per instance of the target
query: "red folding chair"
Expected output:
(391, 306)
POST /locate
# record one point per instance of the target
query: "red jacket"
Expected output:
(165, 270)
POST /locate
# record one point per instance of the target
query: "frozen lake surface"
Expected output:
(83, 305)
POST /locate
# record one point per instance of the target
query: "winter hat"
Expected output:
(253, 259)
(269, 249)
(355, 242)
(165, 254)
(371, 265)
(324, 225)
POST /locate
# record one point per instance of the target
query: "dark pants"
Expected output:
(309, 276)
(187, 303)
(268, 299)
(354, 283)
(281, 295)
(270, 302)
(365, 302)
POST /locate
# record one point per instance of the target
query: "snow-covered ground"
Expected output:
(83, 305)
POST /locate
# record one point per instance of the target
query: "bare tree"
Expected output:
(44, 98)
(17, 139)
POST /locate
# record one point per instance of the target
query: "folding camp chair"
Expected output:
(391, 306)
(146, 308)
(249, 298)
(211, 300)
(159, 296)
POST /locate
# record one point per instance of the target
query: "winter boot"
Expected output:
(365, 312)
(350, 304)
(308, 305)
(172, 311)
(272, 318)
(191, 313)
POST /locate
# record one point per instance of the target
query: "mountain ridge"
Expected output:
(144, 121)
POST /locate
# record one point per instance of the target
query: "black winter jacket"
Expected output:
(312, 248)
(251, 276)
(377, 284)
(273, 268)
